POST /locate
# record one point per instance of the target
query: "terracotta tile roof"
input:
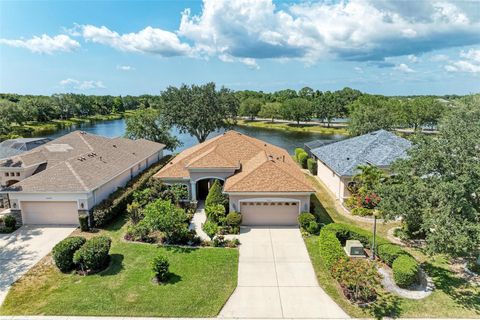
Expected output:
(260, 166)
(81, 162)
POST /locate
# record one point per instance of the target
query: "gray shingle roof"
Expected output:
(380, 148)
(79, 162)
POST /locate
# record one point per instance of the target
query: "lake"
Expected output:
(285, 139)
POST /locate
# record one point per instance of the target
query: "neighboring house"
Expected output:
(338, 162)
(309, 146)
(55, 182)
(13, 147)
(261, 180)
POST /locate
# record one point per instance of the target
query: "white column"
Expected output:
(193, 191)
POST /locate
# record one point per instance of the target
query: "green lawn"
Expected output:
(314, 128)
(453, 297)
(201, 282)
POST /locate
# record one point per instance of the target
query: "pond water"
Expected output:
(285, 139)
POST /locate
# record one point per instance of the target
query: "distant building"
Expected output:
(13, 147)
(338, 162)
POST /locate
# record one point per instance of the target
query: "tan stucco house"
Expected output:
(54, 182)
(261, 180)
(338, 162)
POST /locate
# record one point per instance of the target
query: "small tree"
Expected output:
(270, 110)
(210, 228)
(160, 267)
(215, 195)
(164, 216)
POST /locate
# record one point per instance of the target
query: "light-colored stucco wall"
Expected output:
(199, 175)
(17, 198)
(337, 185)
(236, 198)
(104, 191)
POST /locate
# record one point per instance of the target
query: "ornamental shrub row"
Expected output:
(116, 203)
(333, 237)
(64, 250)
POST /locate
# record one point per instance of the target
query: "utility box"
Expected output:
(354, 249)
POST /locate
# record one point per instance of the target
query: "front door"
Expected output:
(202, 189)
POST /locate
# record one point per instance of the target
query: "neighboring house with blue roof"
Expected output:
(338, 162)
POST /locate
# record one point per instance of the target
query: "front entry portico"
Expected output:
(200, 187)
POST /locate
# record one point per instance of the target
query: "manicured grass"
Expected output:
(452, 298)
(292, 127)
(201, 282)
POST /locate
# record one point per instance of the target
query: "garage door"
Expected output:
(49, 212)
(269, 213)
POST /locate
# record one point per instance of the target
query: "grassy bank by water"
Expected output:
(314, 128)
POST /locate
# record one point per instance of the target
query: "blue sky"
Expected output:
(382, 46)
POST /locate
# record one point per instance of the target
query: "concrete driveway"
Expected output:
(276, 279)
(22, 249)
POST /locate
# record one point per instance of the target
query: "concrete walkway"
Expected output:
(276, 279)
(22, 249)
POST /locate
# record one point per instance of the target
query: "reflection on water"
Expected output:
(286, 139)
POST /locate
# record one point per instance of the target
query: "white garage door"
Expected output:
(49, 212)
(276, 213)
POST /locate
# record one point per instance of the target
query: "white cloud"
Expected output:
(404, 68)
(149, 40)
(470, 62)
(44, 43)
(125, 68)
(439, 57)
(358, 69)
(412, 58)
(352, 30)
(82, 85)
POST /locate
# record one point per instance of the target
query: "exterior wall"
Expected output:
(338, 186)
(104, 191)
(16, 198)
(330, 179)
(23, 174)
(235, 199)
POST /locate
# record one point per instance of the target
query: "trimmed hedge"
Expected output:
(305, 218)
(334, 235)
(64, 250)
(116, 204)
(405, 271)
(93, 255)
(312, 166)
(297, 152)
(389, 252)
(302, 159)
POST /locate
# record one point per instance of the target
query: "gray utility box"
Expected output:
(354, 249)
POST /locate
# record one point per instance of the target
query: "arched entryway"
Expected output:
(204, 185)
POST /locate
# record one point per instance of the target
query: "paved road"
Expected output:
(276, 279)
(22, 249)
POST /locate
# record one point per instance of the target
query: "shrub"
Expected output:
(10, 222)
(358, 278)
(117, 202)
(93, 255)
(219, 241)
(330, 247)
(64, 250)
(164, 216)
(302, 159)
(234, 219)
(304, 219)
(389, 252)
(138, 232)
(160, 266)
(210, 228)
(297, 152)
(405, 271)
(134, 212)
(312, 166)
(83, 220)
(215, 196)
(473, 266)
(362, 212)
(216, 213)
(313, 227)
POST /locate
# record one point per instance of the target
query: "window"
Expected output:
(12, 174)
(18, 174)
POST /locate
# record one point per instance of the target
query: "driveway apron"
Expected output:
(22, 249)
(276, 279)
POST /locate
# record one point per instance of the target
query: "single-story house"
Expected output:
(338, 162)
(261, 180)
(55, 182)
(309, 146)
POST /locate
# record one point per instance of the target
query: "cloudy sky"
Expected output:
(378, 46)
